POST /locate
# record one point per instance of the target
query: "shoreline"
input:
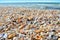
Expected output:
(5, 7)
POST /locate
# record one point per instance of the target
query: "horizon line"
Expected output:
(30, 2)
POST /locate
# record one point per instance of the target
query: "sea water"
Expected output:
(37, 5)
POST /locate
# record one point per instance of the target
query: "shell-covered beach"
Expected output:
(18, 23)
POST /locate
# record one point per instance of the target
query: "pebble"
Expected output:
(58, 38)
(1, 23)
(33, 39)
(2, 39)
(1, 28)
(22, 38)
(1, 35)
(5, 35)
(15, 38)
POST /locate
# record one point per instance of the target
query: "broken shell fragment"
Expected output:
(19, 20)
(11, 35)
(58, 38)
(38, 37)
(30, 18)
(37, 31)
(22, 26)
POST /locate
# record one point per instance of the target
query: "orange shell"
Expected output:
(38, 37)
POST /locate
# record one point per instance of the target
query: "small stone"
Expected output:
(58, 22)
(54, 30)
(21, 31)
(2, 38)
(1, 28)
(58, 38)
(5, 35)
(1, 23)
(15, 38)
(22, 38)
(55, 37)
(1, 35)
(33, 39)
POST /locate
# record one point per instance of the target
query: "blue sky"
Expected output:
(11, 1)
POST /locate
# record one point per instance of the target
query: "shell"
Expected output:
(38, 37)
(30, 18)
(11, 35)
(22, 26)
(58, 38)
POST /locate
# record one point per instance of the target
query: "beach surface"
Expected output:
(18, 23)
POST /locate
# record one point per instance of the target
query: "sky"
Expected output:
(13, 1)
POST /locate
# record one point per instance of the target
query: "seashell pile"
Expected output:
(29, 24)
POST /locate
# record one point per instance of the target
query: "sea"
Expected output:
(37, 5)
